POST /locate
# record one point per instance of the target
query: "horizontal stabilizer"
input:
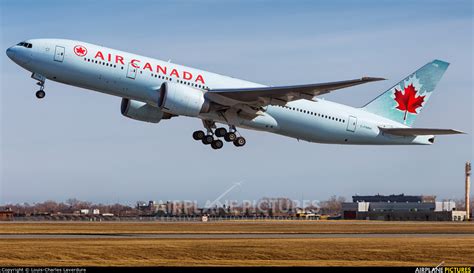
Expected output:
(419, 131)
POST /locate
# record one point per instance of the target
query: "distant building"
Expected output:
(148, 208)
(401, 208)
(107, 214)
(84, 211)
(6, 215)
(394, 198)
(170, 208)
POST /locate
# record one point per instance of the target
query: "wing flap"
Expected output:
(419, 131)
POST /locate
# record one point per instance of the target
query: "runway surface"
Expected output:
(230, 236)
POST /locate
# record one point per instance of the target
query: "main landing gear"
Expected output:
(229, 136)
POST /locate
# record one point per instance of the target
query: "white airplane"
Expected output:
(152, 90)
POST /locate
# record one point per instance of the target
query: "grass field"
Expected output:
(277, 252)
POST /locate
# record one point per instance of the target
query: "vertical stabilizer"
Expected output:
(404, 101)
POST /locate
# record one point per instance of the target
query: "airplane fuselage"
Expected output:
(136, 77)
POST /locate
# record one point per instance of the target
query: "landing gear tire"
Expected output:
(239, 142)
(230, 136)
(220, 132)
(217, 144)
(198, 135)
(208, 139)
(40, 94)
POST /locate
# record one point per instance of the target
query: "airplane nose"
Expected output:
(10, 53)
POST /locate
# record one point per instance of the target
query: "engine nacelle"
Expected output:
(140, 111)
(182, 100)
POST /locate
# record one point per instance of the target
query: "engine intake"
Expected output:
(182, 100)
(141, 111)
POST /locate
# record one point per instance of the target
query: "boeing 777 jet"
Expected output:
(154, 90)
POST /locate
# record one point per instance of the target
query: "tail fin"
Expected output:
(404, 101)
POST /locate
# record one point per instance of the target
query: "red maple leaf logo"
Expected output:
(80, 51)
(408, 101)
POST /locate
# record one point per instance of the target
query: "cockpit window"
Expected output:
(27, 45)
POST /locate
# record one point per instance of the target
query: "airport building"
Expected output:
(6, 214)
(401, 208)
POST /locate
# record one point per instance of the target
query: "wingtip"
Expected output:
(372, 79)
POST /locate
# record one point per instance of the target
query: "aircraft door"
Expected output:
(351, 124)
(131, 71)
(59, 54)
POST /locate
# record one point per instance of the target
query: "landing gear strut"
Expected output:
(209, 138)
(41, 80)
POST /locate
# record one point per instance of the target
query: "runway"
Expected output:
(230, 236)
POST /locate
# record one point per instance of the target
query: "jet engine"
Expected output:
(140, 111)
(178, 99)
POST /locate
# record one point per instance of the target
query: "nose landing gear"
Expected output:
(41, 80)
(229, 136)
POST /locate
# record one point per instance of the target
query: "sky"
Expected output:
(76, 144)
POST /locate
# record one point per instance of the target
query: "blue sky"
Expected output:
(75, 143)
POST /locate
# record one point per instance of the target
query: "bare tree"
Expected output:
(333, 205)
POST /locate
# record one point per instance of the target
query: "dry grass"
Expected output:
(398, 250)
(237, 227)
(276, 252)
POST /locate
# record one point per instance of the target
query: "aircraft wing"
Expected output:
(419, 131)
(261, 96)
